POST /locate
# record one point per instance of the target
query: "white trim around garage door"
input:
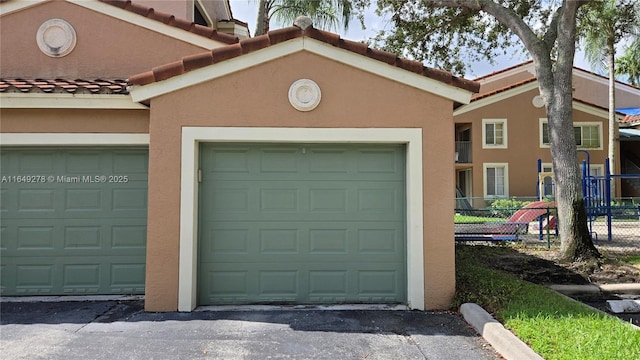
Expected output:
(72, 139)
(192, 136)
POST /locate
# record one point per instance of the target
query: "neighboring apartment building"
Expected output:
(502, 133)
(144, 153)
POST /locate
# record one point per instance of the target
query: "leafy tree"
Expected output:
(603, 24)
(324, 13)
(629, 63)
(440, 30)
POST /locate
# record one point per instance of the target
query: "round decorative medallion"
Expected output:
(537, 101)
(304, 95)
(56, 38)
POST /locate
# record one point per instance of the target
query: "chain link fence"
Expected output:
(525, 219)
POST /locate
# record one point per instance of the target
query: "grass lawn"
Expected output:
(554, 326)
(467, 219)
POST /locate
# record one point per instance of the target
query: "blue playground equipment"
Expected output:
(596, 190)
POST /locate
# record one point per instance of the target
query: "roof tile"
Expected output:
(173, 21)
(255, 43)
(160, 16)
(64, 86)
(353, 46)
(167, 71)
(144, 78)
(226, 52)
(324, 36)
(383, 56)
(284, 34)
(181, 23)
(138, 9)
(197, 61)
(245, 46)
(629, 119)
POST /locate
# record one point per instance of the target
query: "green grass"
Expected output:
(554, 326)
(459, 219)
(632, 259)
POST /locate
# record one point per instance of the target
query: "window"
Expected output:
(595, 170)
(496, 179)
(588, 134)
(494, 133)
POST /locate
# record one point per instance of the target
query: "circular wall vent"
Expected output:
(537, 101)
(56, 38)
(304, 95)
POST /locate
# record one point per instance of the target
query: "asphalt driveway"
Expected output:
(122, 330)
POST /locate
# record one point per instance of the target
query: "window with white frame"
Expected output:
(588, 134)
(494, 133)
(496, 179)
(596, 170)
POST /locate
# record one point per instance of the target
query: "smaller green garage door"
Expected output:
(302, 224)
(73, 220)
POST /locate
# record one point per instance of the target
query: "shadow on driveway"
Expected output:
(122, 330)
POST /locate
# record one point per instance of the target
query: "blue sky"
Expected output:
(246, 10)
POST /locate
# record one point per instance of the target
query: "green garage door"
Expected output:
(73, 220)
(302, 224)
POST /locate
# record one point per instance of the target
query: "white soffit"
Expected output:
(73, 139)
(198, 76)
(17, 5)
(528, 67)
(496, 97)
(593, 110)
(67, 101)
(150, 24)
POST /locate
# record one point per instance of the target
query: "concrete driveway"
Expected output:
(122, 330)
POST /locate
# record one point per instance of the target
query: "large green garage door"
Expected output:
(302, 224)
(73, 220)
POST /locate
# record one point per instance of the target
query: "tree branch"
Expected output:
(504, 15)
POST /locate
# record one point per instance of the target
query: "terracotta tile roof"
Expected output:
(630, 119)
(245, 46)
(503, 70)
(502, 89)
(173, 21)
(64, 86)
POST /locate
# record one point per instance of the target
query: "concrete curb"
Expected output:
(630, 289)
(76, 298)
(502, 340)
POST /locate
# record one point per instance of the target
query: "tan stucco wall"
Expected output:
(73, 121)
(494, 84)
(258, 97)
(597, 92)
(106, 47)
(524, 149)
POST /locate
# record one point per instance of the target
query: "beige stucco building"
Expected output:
(200, 168)
(501, 134)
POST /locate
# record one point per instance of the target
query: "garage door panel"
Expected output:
(354, 239)
(302, 224)
(81, 227)
(235, 200)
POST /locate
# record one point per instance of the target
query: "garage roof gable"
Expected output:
(196, 69)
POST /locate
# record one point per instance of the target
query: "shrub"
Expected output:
(506, 207)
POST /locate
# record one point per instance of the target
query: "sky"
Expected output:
(246, 10)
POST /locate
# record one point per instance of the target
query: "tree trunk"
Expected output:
(556, 87)
(262, 22)
(612, 117)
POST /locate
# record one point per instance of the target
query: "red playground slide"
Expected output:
(531, 212)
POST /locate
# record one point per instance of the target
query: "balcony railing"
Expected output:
(463, 152)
